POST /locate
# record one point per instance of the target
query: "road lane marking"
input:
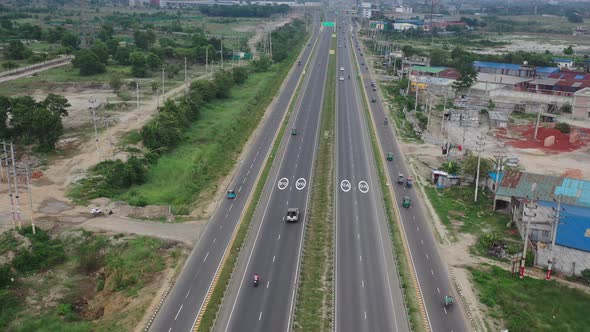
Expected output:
(170, 329)
(243, 181)
(187, 293)
(283, 183)
(363, 283)
(227, 214)
(267, 284)
(427, 257)
(445, 309)
(231, 207)
(417, 228)
(431, 272)
(422, 242)
(361, 258)
(414, 217)
(278, 238)
(438, 290)
(287, 203)
(214, 239)
(206, 256)
(358, 235)
(365, 315)
(300, 183)
(260, 316)
(178, 312)
(220, 227)
(273, 258)
(240, 189)
(248, 173)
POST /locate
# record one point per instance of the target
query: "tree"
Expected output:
(9, 65)
(138, 63)
(115, 83)
(106, 33)
(70, 41)
(163, 131)
(4, 109)
(563, 127)
(101, 51)
(153, 61)
(451, 167)
(574, 17)
(47, 127)
(144, 39)
(88, 63)
(206, 89)
(56, 104)
(122, 55)
(16, 50)
(568, 50)
(223, 83)
(469, 166)
(466, 78)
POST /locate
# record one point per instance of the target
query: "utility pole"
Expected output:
(137, 103)
(92, 101)
(30, 198)
(221, 52)
(529, 216)
(479, 149)
(163, 86)
(499, 162)
(185, 79)
(16, 196)
(537, 123)
(12, 212)
(270, 43)
(416, 103)
(553, 237)
(206, 60)
(106, 123)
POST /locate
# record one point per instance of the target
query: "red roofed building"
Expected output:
(563, 83)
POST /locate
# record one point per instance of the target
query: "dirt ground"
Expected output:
(539, 43)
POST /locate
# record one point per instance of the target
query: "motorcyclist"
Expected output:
(256, 279)
(448, 300)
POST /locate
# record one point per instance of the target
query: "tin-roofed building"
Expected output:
(533, 200)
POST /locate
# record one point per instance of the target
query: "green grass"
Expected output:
(314, 311)
(202, 158)
(218, 293)
(52, 322)
(57, 75)
(531, 304)
(405, 129)
(458, 212)
(403, 265)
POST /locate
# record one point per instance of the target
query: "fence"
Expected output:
(19, 70)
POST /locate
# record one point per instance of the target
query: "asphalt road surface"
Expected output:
(273, 247)
(368, 293)
(431, 272)
(186, 298)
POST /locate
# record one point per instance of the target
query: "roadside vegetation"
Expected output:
(78, 280)
(314, 310)
(193, 142)
(530, 304)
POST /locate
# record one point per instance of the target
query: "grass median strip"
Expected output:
(212, 308)
(315, 297)
(411, 296)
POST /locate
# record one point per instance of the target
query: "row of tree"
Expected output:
(27, 121)
(244, 11)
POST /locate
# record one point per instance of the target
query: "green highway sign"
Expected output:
(328, 24)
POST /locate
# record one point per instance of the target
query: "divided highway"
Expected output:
(187, 296)
(368, 294)
(431, 272)
(273, 246)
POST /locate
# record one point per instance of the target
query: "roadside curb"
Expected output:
(164, 296)
(460, 292)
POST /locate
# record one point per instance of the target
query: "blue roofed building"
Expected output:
(511, 69)
(550, 205)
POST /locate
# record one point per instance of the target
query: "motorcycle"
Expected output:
(256, 280)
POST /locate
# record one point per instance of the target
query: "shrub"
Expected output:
(42, 255)
(563, 127)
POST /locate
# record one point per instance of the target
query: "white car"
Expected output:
(341, 78)
(341, 68)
